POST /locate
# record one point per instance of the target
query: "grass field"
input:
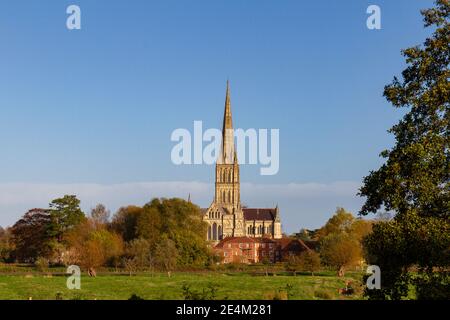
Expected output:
(159, 286)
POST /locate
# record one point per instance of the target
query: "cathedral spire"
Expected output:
(227, 119)
(227, 152)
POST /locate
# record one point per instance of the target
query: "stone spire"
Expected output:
(227, 155)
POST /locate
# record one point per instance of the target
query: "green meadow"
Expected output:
(233, 286)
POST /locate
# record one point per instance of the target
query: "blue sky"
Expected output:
(92, 109)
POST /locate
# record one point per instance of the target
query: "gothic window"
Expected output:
(209, 232)
(229, 196)
(229, 177)
(220, 232)
(214, 231)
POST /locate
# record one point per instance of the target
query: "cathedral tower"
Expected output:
(225, 216)
(227, 184)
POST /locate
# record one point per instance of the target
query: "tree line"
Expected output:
(162, 234)
(337, 245)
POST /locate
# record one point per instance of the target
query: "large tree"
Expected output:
(414, 180)
(92, 245)
(65, 213)
(30, 237)
(125, 222)
(100, 214)
(340, 240)
(166, 255)
(149, 224)
(181, 221)
(175, 219)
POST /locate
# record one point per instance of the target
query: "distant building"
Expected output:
(257, 250)
(225, 216)
(247, 250)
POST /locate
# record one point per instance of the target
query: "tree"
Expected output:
(307, 235)
(92, 245)
(29, 236)
(140, 250)
(149, 225)
(309, 261)
(6, 246)
(65, 213)
(174, 219)
(414, 180)
(360, 228)
(181, 222)
(166, 255)
(293, 263)
(341, 240)
(340, 222)
(100, 214)
(125, 222)
(340, 251)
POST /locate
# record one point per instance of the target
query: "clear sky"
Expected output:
(91, 111)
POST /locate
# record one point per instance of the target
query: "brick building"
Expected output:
(257, 250)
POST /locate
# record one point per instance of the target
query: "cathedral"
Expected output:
(225, 216)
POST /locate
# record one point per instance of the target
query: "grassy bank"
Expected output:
(238, 285)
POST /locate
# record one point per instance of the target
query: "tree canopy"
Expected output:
(414, 181)
(341, 240)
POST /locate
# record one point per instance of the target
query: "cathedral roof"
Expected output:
(259, 213)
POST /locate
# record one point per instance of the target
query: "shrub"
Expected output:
(309, 261)
(208, 293)
(276, 295)
(322, 294)
(41, 264)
